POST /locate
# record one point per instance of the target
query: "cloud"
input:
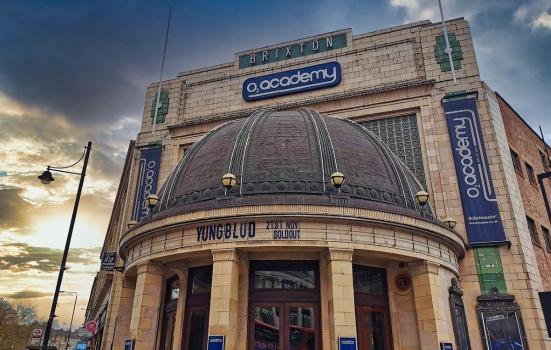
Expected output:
(542, 21)
(21, 257)
(15, 210)
(27, 294)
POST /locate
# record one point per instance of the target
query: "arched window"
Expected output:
(169, 312)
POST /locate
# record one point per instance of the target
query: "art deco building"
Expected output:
(290, 205)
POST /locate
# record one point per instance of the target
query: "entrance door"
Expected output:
(372, 309)
(284, 305)
(196, 321)
(284, 326)
(373, 328)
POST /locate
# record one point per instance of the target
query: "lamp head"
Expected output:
(152, 200)
(46, 177)
(422, 197)
(131, 224)
(337, 179)
(229, 180)
(450, 222)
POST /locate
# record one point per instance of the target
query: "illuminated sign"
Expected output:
(148, 173)
(292, 81)
(298, 49)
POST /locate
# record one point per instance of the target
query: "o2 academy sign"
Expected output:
(294, 50)
(292, 81)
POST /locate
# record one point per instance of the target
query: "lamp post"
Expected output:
(72, 315)
(46, 178)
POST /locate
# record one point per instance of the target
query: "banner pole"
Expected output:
(448, 48)
(161, 77)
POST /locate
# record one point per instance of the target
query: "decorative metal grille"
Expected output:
(401, 135)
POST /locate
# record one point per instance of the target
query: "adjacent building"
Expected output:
(334, 192)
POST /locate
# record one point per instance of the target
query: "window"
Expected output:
(401, 135)
(516, 162)
(530, 173)
(546, 238)
(543, 160)
(532, 229)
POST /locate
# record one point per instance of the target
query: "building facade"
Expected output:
(257, 243)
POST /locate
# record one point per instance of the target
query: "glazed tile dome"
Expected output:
(288, 157)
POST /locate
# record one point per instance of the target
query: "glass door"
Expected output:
(284, 326)
(373, 327)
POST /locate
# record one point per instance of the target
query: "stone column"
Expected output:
(224, 295)
(342, 312)
(147, 305)
(430, 299)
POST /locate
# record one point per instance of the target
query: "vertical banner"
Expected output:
(148, 173)
(478, 198)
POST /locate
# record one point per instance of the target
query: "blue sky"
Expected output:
(77, 70)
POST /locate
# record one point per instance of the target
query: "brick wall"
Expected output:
(529, 147)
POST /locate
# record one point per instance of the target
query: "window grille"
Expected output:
(401, 135)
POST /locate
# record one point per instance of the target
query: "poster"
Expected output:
(502, 330)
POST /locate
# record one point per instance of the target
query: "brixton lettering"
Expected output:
(304, 48)
(226, 231)
(292, 81)
(148, 173)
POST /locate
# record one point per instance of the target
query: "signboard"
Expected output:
(231, 231)
(475, 183)
(502, 330)
(446, 346)
(347, 343)
(108, 260)
(129, 344)
(292, 81)
(216, 342)
(37, 333)
(91, 326)
(148, 173)
(81, 346)
(297, 49)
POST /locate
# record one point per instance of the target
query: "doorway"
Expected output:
(372, 308)
(284, 306)
(196, 320)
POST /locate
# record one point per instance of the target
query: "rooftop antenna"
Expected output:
(448, 49)
(157, 105)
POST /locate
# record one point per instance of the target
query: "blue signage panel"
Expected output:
(148, 173)
(446, 346)
(475, 183)
(347, 343)
(216, 342)
(292, 81)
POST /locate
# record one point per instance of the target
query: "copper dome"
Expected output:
(288, 157)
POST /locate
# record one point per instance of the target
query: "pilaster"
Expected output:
(342, 313)
(147, 305)
(224, 296)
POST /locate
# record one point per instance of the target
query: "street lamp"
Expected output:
(46, 178)
(422, 197)
(450, 222)
(337, 179)
(72, 315)
(229, 180)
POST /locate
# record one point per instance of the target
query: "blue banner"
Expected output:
(148, 173)
(216, 342)
(478, 198)
(292, 81)
(346, 343)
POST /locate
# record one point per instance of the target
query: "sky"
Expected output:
(73, 71)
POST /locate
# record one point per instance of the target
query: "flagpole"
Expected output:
(161, 77)
(448, 48)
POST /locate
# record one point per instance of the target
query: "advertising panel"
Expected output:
(292, 81)
(148, 173)
(478, 197)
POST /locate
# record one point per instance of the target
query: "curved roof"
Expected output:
(288, 157)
